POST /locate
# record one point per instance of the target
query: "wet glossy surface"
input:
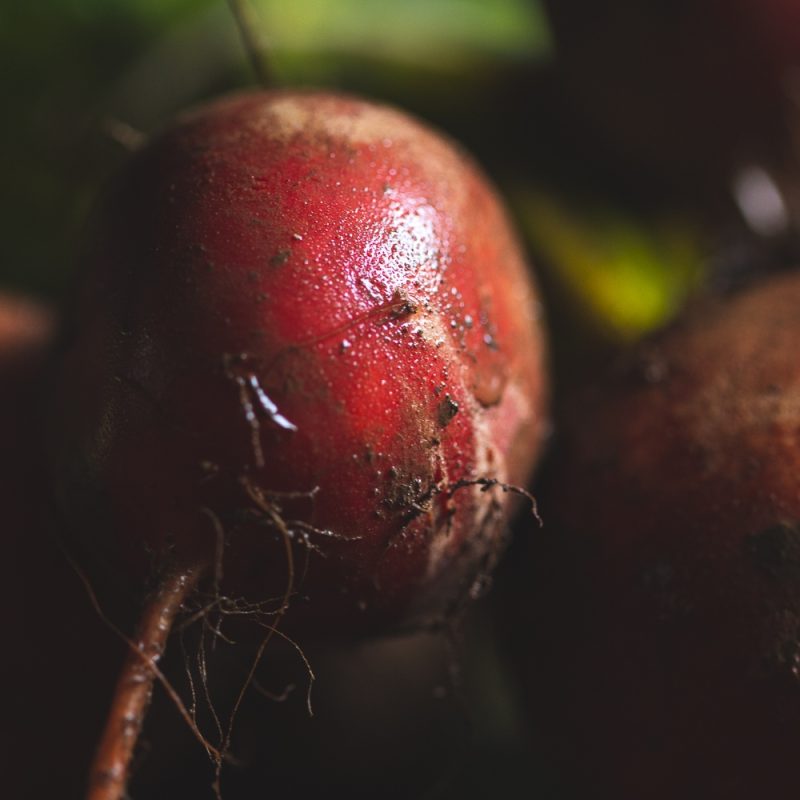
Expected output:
(309, 294)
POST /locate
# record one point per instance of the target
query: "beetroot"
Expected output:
(663, 622)
(306, 358)
(311, 304)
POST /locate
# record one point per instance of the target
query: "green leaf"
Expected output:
(628, 275)
(437, 34)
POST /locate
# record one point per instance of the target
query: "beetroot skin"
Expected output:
(305, 316)
(663, 620)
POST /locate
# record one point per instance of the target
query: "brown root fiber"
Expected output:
(110, 770)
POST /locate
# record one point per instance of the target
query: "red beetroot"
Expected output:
(302, 293)
(306, 353)
(663, 620)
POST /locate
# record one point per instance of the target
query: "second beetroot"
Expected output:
(663, 623)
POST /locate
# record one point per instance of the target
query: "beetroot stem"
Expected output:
(109, 773)
(252, 39)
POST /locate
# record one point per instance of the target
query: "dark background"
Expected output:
(650, 152)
